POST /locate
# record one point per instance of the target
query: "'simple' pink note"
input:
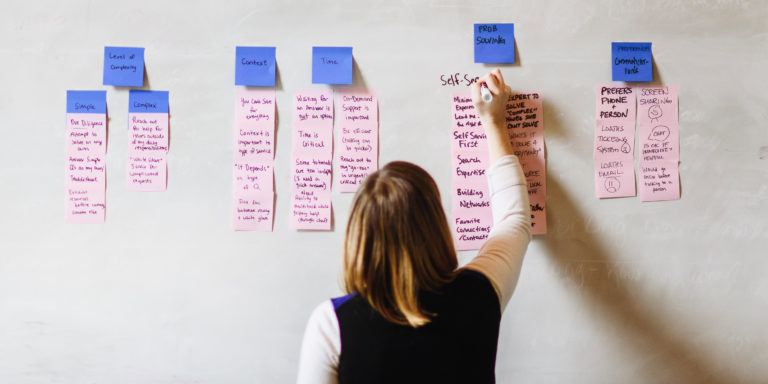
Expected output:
(525, 125)
(357, 137)
(253, 174)
(85, 171)
(311, 160)
(147, 151)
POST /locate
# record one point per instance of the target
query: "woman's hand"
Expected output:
(492, 114)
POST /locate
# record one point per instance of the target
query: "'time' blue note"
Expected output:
(124, 67)
(255, 66)
(494, 43)
(631, 62)
(332, 65)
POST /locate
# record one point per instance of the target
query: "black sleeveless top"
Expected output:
(457, 346)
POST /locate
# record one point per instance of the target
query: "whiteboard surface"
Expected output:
(619, 291)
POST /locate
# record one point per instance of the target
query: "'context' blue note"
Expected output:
(332, 65)
(255, 66)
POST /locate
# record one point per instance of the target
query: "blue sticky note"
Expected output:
(86, 101)
(631, 62)
(123, 66)
(332, 65)
(147, 101)
(255, 66)
(494, 43)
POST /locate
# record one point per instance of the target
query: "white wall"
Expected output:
(165, 292)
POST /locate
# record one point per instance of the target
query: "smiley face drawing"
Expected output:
(654, 112)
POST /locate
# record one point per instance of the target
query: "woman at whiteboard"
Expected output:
(411, 315)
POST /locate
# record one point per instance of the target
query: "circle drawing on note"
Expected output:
(659, 133)
(654, 112)
(612, 184)
(625, 147)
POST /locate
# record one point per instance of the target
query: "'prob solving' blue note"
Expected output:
(631, 62)
(494, 43)
(332, 65)
(123, 66)
(86, 101)
(255, 66)
(147, 101)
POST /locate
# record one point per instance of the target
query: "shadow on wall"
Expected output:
(677, 360)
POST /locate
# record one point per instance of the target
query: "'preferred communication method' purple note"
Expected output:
(331, 65)
(255, 66)
(123, 66)
(494, 43)
(631, 61)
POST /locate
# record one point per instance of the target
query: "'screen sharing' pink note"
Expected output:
(659, 137)
(85, 173)
(357, 137)
(253, 172)
(614, 144)
(311, 158)
(148, 135)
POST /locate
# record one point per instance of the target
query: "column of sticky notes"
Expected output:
(85, 173)
(311, 158)
(148, 145)
(614, 144)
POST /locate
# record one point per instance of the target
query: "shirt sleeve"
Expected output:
(319, 359)
(501, 257)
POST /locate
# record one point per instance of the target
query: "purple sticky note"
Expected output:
(494, 43)
(332, 65)
(124, 67)
(255, 66)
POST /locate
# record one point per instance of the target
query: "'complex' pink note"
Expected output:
(253, 173)
(148, 135)
(357, 137)
(311, 159)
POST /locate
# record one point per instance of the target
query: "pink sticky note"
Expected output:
(470, 227)
(86, 133)
(659, 132)
(615, 104)
(254, 124)
(525, 125)
(659, 180)
(85, 204)
(253, 211)
(147, 172)
(357, 138)
(147, 151)
(614, 177)
(313, 121)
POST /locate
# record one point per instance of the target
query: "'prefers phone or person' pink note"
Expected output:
(311, 159)
(471, 209)
(659, 143)
(525, 125)
(357, 137)
(253, 172)
(86, 148)
(613, 150)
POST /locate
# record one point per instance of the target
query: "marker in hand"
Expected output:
(485, 93)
